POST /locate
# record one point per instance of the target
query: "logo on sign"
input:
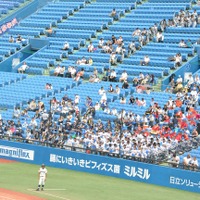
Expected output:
(14, 152)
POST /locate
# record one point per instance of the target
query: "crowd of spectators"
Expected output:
(158, 133)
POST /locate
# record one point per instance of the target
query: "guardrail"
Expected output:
(161, 159)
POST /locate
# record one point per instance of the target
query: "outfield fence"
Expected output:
(103, 165)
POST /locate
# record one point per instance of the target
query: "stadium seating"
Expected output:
(79, 22)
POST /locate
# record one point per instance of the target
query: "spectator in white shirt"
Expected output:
(97, 106)
(131, 48)
(23, 68)
(101, 43)
(90, 47)
(83, 61)
(190, 80)
(159, 37)
(123, 100)
(194, 163)
(197, 79)
(113, 59)
(175, 160)
(33, 123)
(117, 90)
(145, 61)
(114, 111)
(178, 60)
(143, 102)
(112, 76)
(57, 70)
(16, 112)
(194, 93)
(186, 161)
(118, 49)
(73, 72)
(137, 32)
(76, 99)
(179, 79)
(182, 44)
(65, 46)
(120, 41)
(124, 76)
(101, 91)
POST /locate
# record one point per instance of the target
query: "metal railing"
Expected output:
(159, 159)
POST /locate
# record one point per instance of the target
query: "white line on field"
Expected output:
(50, 189)
(48, 194)
(6, 198)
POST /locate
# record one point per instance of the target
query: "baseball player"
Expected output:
(42, 175)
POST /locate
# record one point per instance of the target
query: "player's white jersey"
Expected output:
(42, 172)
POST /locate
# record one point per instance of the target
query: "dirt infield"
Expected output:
(7, 161)
(11, 195)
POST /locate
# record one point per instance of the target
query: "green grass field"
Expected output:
(83, 186)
